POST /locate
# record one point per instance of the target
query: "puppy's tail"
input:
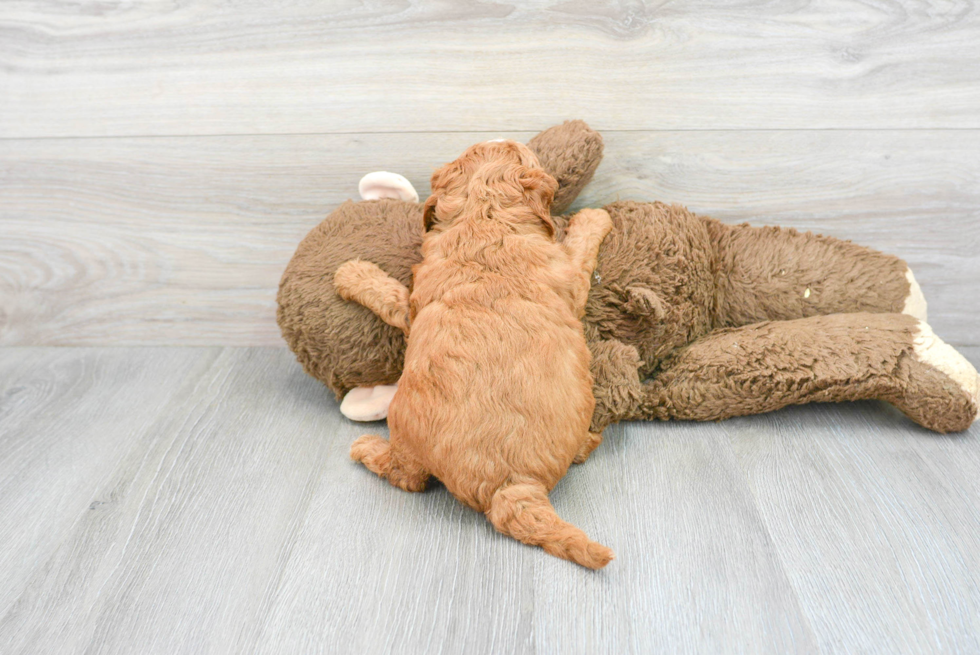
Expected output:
(523, 511)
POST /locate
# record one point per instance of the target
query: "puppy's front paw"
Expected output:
(349, 277)
(595, 220)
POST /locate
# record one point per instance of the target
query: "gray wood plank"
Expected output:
(198, 67)
(185, 538)
(67, 418)
(420, 573)
(182, 241)
(876, 521)
(230, 519)
(377, 570)
(695, 569)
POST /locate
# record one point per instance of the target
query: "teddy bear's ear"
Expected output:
(570, 152)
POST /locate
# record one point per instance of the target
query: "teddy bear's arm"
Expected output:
(765, 366)
(365, 283)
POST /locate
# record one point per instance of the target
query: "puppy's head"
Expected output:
(496, 180)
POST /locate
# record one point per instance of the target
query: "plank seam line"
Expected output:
(10, 139)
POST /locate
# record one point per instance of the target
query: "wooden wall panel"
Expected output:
(197, 67)
(182, 240)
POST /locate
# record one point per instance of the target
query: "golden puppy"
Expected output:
(496, 395)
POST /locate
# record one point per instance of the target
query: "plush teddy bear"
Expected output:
(344, 345)
(687, 318)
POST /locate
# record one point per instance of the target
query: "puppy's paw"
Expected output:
(595, 220)
(350, 276)
(368, 449)
(591, 443)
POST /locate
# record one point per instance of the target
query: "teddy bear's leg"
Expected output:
(617, 389)
(765, 366)
(771, 273)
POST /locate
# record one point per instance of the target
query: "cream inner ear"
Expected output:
(382, 184)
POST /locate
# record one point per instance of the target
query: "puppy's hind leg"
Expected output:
(591, 443)
(523, 511)
(376, 454)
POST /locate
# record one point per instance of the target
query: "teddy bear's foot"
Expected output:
(941, 390)
(382, 184)
(368, 403)
(915, 302)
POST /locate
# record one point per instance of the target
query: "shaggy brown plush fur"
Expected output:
(496, 396)
(765, 366)
(343, 344)
(666, 281)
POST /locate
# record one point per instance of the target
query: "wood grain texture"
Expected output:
(195, 67)
(697, 580)
(151, 241)
(423, 573)
(176, 549)
(67, 419)
(220, 513)
(235, 522)
(161, 160)
(876, 521)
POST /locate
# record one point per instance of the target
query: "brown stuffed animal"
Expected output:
(687, 318)
(344, 345)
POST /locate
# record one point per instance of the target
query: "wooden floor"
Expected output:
(185, 500)
(170, 480)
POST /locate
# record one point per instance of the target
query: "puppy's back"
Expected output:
(496, 383)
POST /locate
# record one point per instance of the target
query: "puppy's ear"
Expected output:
(539, 189)
(429, 212)
(447, 180)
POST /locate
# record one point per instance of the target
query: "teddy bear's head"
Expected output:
(343, 344)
